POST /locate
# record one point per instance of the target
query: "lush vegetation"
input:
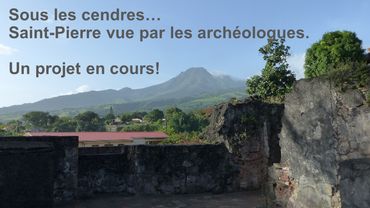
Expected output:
(334, 50)
(181, 127)
(276, 79)
(339, 57)
(8, 129)
(351, 75)
(188, 104)
(192, 90)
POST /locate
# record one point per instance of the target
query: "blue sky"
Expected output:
(238, 58)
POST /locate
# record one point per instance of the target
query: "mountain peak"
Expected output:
(197, 70)
(193, 83)
(125, 89)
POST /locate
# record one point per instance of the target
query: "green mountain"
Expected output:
(194, 88)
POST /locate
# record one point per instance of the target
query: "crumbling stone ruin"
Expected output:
(325, 147)
(38, 171)
(46, 171)
(324, 135)
(156, 169)
(249, 129)
(313, 151)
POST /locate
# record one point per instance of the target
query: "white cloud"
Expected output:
(80, 89)
(6, 50)
(296, 64)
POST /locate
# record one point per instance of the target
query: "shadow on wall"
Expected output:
(44, 171)
(250, 130)
(156, 169)
(37, 171)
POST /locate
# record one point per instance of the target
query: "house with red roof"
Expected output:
(105, 139)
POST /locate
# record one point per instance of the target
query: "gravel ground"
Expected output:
(230, 200)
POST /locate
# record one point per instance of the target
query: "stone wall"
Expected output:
(355, 183)
(250, 131)
(46, 171)
(34, 163)
(325, 146)
(156, 169)
(26, 174)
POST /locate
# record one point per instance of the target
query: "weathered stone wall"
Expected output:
(250, 132)
(355, 183)
(325, 140)
(26, 174)
(31, 160)
(44, 171)
(156, 169)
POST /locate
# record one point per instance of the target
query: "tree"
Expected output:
(332, 51)
(39, 120)
(141, 127)
(64, 124)
(351, 75)
(12, 128)
(154, 116)
(126, 117)
(179, 121)
(196, 122)
(175, 120)
(276, 79)
(89, 121)
(110, 116)
(184, 138)
(4, 131)
(139, 115)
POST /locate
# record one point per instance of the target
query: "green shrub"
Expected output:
(276, 79)
(184, 138)
(331, 52)
(350, 75)
(141, 127)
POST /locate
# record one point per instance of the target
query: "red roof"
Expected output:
(104, 136)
